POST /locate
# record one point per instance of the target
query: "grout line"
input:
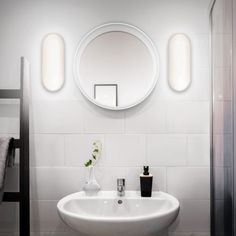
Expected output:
(116, 133)
(64, 156)
(121, 166)
(146, 150)
(124, 123)
(187, 151)
(167, 187)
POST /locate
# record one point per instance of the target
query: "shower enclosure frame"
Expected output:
(233, 105)
(212, 188)
(229, 176)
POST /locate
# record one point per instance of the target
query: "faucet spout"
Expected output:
(120, 187)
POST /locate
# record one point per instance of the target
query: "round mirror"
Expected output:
(116, 66)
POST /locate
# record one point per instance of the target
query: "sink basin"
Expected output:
(106, 214)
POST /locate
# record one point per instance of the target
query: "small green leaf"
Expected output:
(88, 163)
(94, 156)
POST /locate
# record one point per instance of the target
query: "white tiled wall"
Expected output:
(169, 131)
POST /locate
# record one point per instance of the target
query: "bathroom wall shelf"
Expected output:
(23, 144)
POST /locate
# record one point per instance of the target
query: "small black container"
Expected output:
(146, 182)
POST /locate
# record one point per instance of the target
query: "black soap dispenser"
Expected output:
(146, 182)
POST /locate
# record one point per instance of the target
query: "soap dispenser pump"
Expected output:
(146, 182)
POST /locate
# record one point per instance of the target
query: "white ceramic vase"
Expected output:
(91, 186)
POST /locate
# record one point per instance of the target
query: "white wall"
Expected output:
(169, 131)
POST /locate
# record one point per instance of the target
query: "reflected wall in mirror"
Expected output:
(179, 61)
(106, 94)
(116, 54)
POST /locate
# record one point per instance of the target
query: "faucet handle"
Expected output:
(120, 182)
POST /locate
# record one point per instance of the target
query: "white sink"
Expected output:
(103, 215)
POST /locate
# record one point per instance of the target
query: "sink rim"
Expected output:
(112, 195)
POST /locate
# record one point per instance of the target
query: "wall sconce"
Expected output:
(179, 62)
(53, 62)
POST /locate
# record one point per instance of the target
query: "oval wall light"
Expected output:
(179, 62)
(53, 62)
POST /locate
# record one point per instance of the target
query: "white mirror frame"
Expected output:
(116, 27)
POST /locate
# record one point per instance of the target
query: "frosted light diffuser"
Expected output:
(53, 62)
(179, 62)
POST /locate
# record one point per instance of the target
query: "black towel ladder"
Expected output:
(23, 144)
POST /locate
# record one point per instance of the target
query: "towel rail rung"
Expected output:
(10, 93)
(11, 197)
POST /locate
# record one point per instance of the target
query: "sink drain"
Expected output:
(120, 201)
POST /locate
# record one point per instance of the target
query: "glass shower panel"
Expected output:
(222, 119)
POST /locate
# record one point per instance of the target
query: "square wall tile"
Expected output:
(107, 176)
(12, 179)
(98, 120)
(194, 216)
(9, 118)
(125, 150)
(9, 125)
(166, 150)
(9, 220)
(200, 87)
(44, 217)
(188, 117)
(55, 183)
(57, 116)
(198, 150)
(78, 149)
(133, 178)
(189, 182)
(47, 150)
(200, 50)
(149, 117)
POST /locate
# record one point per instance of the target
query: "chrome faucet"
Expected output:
(120, 187)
